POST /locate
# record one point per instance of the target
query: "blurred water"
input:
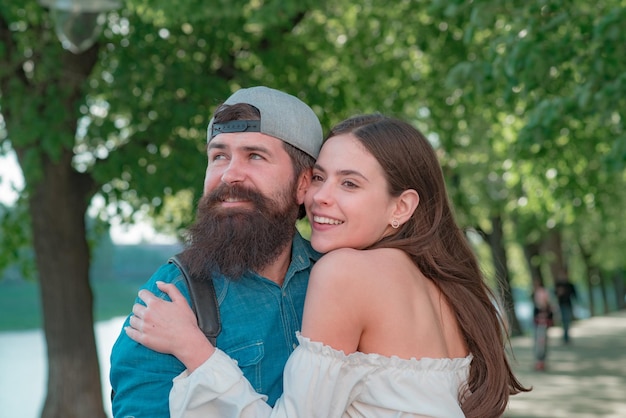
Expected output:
(23, 366)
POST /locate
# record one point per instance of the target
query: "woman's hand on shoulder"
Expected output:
(169, 327)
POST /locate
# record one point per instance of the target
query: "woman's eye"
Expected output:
(316, 177)
(350, 184)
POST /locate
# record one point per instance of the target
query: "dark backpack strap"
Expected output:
(203, 302)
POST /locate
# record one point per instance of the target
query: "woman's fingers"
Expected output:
(168, 327)
(171, 290)
(133, 334)
(139, 310)
(147, 296)
(135, 329)
(136, 322)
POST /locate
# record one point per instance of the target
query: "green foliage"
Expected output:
(552, 72)
(14, 234)
(521, 99)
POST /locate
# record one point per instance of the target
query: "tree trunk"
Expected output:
(58, 198)
(532, 254)
(602, 283)
(586, 258)
(500, 263)
(57, 207)
(556, 260)
(618, 286)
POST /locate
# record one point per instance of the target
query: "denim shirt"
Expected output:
(259, 324)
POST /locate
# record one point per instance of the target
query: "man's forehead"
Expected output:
(245, 140)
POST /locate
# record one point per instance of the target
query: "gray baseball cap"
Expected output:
(283, 116)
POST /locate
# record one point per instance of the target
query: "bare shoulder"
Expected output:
(337, 258)
(342, 286)
(386, 305)
(331, 270)
(347, 259)
(345, 265)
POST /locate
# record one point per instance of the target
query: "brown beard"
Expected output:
(234, 241)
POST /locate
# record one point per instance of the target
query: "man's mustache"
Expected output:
(225, 192)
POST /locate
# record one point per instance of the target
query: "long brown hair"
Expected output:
(440, 250)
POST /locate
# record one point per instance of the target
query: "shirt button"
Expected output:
(294, 346)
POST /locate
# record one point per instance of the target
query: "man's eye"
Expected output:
(217, 157)
(256, 157)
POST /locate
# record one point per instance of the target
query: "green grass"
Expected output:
(20, 307)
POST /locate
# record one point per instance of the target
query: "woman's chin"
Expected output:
(322, 246)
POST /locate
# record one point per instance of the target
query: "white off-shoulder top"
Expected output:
(320, 381)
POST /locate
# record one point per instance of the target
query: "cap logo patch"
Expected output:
(236, 126)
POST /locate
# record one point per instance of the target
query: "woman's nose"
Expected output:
(322, 194)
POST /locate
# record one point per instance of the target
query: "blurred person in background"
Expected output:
(543, 319)
(565, 294)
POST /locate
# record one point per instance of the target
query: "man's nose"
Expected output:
(234, 172)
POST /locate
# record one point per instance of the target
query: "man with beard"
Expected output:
(262, 144)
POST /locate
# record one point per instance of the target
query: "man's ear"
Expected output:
(304, 181)
(406, 204)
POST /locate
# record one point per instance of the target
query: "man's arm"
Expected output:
(141, 378)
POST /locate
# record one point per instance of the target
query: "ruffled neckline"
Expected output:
(373, 359)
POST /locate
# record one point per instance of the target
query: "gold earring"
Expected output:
(395, 224)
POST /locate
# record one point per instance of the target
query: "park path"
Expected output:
(584, 379)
